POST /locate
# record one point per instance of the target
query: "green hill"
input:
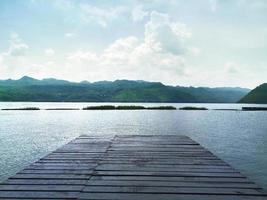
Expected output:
(52, 90)
(257, 95)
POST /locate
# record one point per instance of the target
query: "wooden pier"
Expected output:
(134, 167)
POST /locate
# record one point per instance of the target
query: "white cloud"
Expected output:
(163, 35)
(49, 52)
(138, 13)
(15, 53)
(14, 56)
(17, 47)
(231, 67)
(160, 56)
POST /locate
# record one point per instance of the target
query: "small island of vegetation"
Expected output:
(254, 108)
(130, 107)
(104, 107)
(27, 108)
(161, 108)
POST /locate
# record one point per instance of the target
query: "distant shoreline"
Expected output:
(135, 107)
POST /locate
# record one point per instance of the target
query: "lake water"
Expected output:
(238, 137)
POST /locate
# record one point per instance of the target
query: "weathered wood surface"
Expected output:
(131, 167)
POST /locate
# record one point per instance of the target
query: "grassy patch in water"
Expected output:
(161, 108)
(130, 108)
(104, 107)
(254, 108)
(27, 108)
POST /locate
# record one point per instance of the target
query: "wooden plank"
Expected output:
(135, 196)
(163, 169)
(56, 171)
(143, 183)
(139, 153)
(173, 179)
(171, 190)
(178, 150)
(54, 188)
(166, 167)
(151, 136)
(185, 143)
(61, 166)
(168, 174)
(52, 176)
(70, 161)
(111, 157)
(38, 195)
(175, 162)
(13, 181)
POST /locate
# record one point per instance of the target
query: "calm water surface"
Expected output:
(238, 137)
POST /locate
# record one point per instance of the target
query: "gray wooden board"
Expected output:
(171, 184)
(38, 194)
(130, 167)
(71, 182)
(136, 196)
(152, 169)
(168, 174)
(172, 179)
(166, 167)
(171, 190)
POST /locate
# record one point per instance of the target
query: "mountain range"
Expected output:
(54, 90)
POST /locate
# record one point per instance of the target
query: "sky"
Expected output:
(177, 42)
